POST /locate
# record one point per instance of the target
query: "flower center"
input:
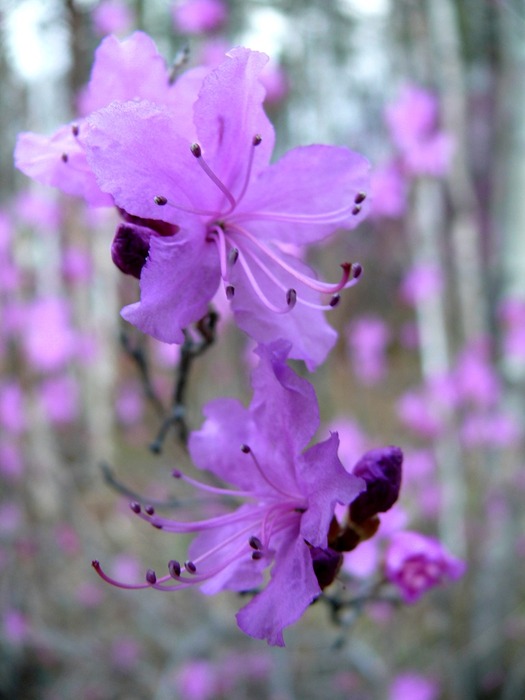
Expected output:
(265, 267)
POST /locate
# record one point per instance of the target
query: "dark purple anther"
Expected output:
(360, 198)
(357, 269)
(334, 301)
(246, 449)
(255, 542)
(381, 469)
(130, 248)
(356, 210)
(64, 157)
(176, 474)
(174, 568)
(151, 576)
(190, 567)
(291, 298)
(160, 200)
(230, 292)
(75, 129)
(150, 510)
(135, 507)
(196, 150)
(257, 139)
(257, 555)
(326, 564)
(233, 256)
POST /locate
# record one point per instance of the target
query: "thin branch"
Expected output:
(189, 351)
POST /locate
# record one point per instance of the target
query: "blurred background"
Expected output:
(431, 357)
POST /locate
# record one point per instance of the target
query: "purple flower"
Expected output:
(289, 499)
(415, 563)
(209, 177)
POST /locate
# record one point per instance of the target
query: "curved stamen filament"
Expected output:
(201, 578)
(330, 217)
(257, 289)
(162, 201)
(197, 526)
(322, 287)
(299, 299)
(129, 586)
(246, 449)
(211, 489)
(255, 142)
(217, 235)
(197, 152)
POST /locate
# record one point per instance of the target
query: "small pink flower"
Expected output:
(199, 16)
(413, 686)
(416, 563)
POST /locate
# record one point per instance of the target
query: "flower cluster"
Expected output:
(186, 162)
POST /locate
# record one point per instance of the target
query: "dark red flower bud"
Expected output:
(130, 248)
(381, 469)
(326, 564)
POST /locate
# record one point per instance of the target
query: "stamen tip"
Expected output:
(360, 197)
(230, 292)
(75, 129)
(246, 449)
(257, 555)
(190, 567)
(64, 157)
(160, 200)
(196, 150)
(150, 510)
(151, 576)
(257, 139)
(291, 298)
(135, 507)
(357, 269)
(176, 474)
(174, 568)
(356, 209)
(334, 301)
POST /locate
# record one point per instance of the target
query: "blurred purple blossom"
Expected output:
(199, 16)
(413, 686)
(367, 338)
(389, 191)
(421, 283)
(413, 125)
(112, 17)
(415, 563)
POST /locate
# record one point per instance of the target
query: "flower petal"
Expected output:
(229, 113)
(59, 160)
(177, 282)
(292, 588)
(305, 328)
(138, 154)
(327, 483)
(316, 184)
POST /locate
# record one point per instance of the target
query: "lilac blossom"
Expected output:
(415, 563)
(288, 494)
(223, 213)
